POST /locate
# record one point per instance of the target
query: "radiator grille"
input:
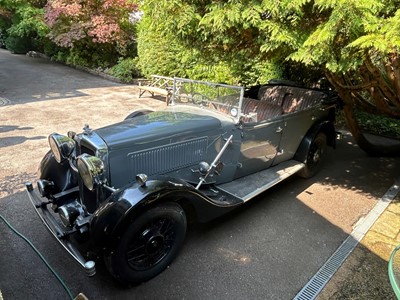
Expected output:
(168, 158)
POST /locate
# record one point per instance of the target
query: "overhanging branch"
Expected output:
(358, 87)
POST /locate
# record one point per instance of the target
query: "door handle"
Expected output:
(279, 130)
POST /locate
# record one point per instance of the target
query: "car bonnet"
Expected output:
(156, 128)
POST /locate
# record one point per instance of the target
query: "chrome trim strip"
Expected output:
(56, 230)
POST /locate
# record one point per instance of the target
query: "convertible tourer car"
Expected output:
(125, 192)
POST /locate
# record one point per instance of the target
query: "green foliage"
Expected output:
(60, 55)
(27, 28)
(5, 23)
(18, 45)
(211, 40)
(379, 125)
(159, 52)
(49, 48)
(125, 70)
(28, 21)
(334, 34)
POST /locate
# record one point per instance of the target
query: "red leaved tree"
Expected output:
(91, 24)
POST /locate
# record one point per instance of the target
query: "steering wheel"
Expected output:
(197, 98)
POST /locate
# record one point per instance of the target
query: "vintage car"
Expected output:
(125, 192)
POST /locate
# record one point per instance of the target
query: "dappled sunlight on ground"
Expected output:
(340, 205)
(240, 258)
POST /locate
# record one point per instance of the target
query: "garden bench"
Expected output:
(160, 85)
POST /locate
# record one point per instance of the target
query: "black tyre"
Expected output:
(138, 113)
(149, 244)
(315, 156)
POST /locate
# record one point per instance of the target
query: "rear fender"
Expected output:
(327, 128)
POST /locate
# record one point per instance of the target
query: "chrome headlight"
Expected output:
(90, 168)
(61, 146)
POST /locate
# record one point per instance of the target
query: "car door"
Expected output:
(296, 126)
(302, 110)
(259, 145)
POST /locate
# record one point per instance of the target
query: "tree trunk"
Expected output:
(348, 97)
(372, 149)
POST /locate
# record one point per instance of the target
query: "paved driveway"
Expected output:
(267, 250)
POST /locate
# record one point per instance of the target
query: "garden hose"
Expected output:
(41, 257)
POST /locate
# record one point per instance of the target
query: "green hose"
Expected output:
(41, 257)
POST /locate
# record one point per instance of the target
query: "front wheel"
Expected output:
(315, 156)
(149, 244)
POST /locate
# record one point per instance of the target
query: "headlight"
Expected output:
(234, 112)
(90, 169)
(61, 146)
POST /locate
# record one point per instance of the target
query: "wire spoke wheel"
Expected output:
(149, 244)
(152, 243)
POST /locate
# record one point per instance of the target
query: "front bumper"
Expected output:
(60, 233)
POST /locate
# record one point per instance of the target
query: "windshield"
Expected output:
(223, 98)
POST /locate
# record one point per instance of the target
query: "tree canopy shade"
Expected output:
(355, 43)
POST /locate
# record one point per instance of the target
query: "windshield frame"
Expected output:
(181, 95)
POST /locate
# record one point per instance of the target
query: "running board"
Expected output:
(247, 187)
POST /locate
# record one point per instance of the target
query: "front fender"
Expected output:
(59, 173)
(123, 205)
(121, 208)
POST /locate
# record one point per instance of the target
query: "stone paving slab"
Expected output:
(364, 274)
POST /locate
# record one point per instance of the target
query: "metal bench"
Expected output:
(160, 85)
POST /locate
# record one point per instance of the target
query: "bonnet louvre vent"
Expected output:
(168, 158)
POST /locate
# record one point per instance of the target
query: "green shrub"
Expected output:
(125, 70)
(18, 45)
(379, 125)
(50, 48)
(26, 29)
(60, 56)
(76, 58)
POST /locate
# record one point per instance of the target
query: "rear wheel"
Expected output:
(315, 156)
(149, 244)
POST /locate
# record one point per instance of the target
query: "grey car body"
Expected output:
(125, 191)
